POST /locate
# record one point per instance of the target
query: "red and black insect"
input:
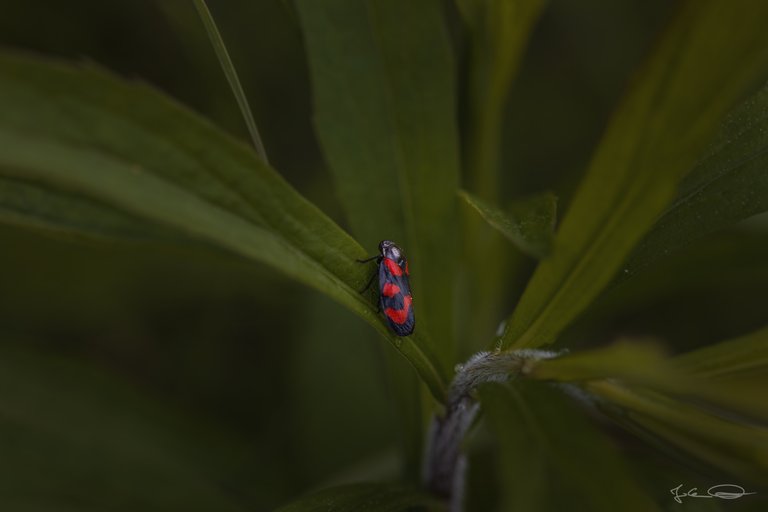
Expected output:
(395, 298)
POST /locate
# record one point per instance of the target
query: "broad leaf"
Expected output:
(728, 185)
(552, 458)
(528, 224)
(384, 101)
(79, 132)
(366, 497)
(705, 60)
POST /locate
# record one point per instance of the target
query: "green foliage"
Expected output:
(384, 93)
(409, 105)
(127, 146)
(706, 59)
(729, 184)
(528, 225)
(498, 33)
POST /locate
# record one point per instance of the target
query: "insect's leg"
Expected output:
(366, 260)
(370, 282)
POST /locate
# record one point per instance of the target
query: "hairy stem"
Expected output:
(444, 463)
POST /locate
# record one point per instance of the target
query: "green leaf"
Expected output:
(79, 132)
(740, 449)
(629, 360)
(74, 435)
(27, 205)
(728, 185)
(497, 34)
(499, 31)
(528, 224)
(384, 102)
(735, 371)
(705, 60)
(364, 497)
(552, 458)
(687, 376)
(747, 355)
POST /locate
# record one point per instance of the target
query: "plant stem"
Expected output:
(444, 464)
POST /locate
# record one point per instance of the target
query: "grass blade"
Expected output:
(231, 73)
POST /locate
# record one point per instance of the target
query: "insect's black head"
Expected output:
(390, 250)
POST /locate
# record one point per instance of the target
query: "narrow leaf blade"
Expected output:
(745, 355)
(740, 449)
(728, 185)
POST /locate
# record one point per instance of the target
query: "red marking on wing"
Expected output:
(399, 316)
(390, 290)
(393, 267)
(406, 268)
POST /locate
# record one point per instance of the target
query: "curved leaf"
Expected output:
(705, 60)
(79, 131)
(365, 497)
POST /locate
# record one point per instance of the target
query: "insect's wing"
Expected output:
(395, 297)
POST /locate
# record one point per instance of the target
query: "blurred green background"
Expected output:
(130, 369)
